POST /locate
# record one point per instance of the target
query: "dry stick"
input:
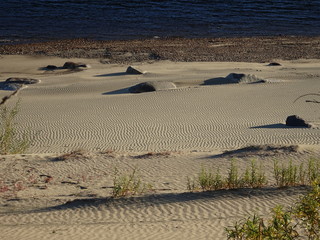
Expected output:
(309, 94)
(312, 101)
(6, 98)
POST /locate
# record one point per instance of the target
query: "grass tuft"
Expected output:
(206, 180)
(128, 185)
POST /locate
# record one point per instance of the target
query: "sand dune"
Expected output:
(190, 127)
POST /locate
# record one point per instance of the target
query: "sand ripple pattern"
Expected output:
(167, 216)
(203, 118)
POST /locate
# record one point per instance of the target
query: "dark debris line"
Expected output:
(253, 49)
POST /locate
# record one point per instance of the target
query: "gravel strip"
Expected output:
(253, 49)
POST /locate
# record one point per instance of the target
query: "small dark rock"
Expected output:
(51, 67)
(274, 64)
(73, 65)
(295, 121)
(133, 70)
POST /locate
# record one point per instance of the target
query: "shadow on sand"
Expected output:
(215, 81)
(119, 91)
(167, 198)
(270, 126)
(113, 74)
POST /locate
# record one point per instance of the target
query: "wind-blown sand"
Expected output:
(93, 110)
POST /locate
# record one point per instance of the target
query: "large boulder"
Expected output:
(151, 87)
(296, 121)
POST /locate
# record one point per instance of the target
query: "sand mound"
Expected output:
(262, 150)
(151, 87)
(243, 78)
(235, 78)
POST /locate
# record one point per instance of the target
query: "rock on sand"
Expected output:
(243, 78)
(151, 87)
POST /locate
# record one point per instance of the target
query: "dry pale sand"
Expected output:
(194, 123)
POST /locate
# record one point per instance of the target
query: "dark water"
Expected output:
(32, 20)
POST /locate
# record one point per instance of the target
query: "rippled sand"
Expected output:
(191, 125)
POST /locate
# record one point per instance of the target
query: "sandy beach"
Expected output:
(167, 135)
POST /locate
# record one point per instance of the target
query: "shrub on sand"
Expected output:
(10, 142)
(302, 221)
(293, 175)
(128, 185)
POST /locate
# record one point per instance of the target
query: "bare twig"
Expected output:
(312, 101)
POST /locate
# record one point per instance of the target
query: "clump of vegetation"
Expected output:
(294, 175)
(302, 220)
(206, 181)
(280, 226)
(10, 142)
(253, 177)
(128, 185)
(307, 212)
(286, 175)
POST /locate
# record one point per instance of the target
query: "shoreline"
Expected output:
(240, 49)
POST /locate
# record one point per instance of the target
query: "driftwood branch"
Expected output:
(309, 94)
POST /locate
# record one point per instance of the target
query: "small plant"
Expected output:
(308, 212)
(254, 177)
(233, 180)
(287, 175)
(280, 226)
(299, 222)
(206, 181)
(128, 185)
(313, 171)
(293, 175)
(10, 143)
